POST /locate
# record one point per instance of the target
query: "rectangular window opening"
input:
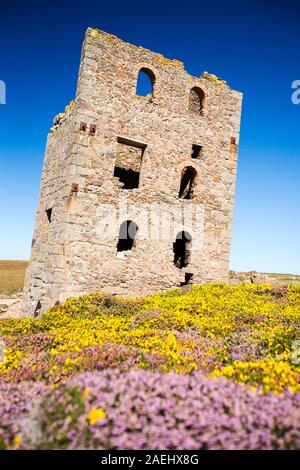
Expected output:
(93, 129)
(49, 214)
(196, 151)
(188, 278)
(128, 162)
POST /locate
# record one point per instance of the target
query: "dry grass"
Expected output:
(285, 278)
(12, 277)
(274, 277)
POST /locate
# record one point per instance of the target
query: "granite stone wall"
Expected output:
(186, 122)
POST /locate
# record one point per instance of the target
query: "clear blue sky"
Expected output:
(254, 45)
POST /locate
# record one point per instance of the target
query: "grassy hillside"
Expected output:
(12, 277)
(210, 367)
(285, 278)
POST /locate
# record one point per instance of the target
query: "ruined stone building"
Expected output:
(137, 189)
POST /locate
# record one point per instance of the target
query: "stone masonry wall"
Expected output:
(76, 252)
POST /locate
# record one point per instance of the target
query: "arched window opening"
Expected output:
(145, 82)
(188, 183)
(127, 235)
(182, 249)
(197, 98)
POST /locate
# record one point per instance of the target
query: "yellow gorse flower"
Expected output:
(95, 415)
(182, 332)
(17, 442)
(86, 392)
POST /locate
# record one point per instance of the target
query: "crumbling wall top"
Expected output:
(95, 33)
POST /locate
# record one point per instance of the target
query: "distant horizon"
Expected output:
(39, 70)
